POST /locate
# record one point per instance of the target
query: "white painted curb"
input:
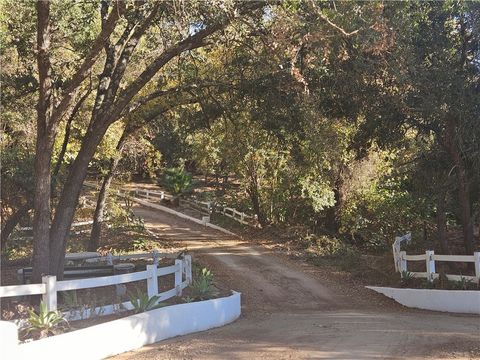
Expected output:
(132, 332)
(454, 301)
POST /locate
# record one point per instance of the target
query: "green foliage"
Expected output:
(71, 300)
(326, 245)
(44, 323)
(188, 299)
(202, 287)
(141, 302)
(462, 284)
(406, 275)
(406, 278)
(177, 180)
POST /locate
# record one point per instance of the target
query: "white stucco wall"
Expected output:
(454, 301)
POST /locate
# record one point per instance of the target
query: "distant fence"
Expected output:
(150, 194)
(401, 258)
(182, 269)
(77, 224)
(204, 207)
(239, 216)
(208, 207)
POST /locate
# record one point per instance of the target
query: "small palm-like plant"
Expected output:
(141, 302)
(177, 180)
(45, 323)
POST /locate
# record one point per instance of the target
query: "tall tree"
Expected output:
(112, 98)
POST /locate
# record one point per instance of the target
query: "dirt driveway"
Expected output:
(292, 310)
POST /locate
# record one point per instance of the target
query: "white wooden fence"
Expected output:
(204, 207)
(50, 286)
(207, 207)
(77, 224)
(239, 216)
(155, 196)
(401, 258)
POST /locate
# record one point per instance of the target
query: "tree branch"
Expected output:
(123, 60)
(191, 42)
(68, 126)
(69, 93)
(329, 22)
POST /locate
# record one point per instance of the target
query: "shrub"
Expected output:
(177, 180)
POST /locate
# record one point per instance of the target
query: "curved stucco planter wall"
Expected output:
(115, 337)
(454, 301)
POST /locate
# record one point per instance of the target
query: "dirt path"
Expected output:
(292, 310)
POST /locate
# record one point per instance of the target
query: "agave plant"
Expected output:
(141, 302)
(45, 323)
(202, 286)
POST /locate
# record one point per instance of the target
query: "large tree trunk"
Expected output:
(254, 195)
(68, 201)
(442, 222)
(463, 187)
(10, 224)
(333, 215)
(102, 195)
(44, 145)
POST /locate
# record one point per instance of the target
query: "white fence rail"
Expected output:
(204, 207)
(109, 258)
(77, 224)
(430, 258)
(151, 195)
(182, 269)
(239, 216)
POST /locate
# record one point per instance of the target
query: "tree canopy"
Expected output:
(357, 119)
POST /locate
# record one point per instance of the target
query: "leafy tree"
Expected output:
(118, 85)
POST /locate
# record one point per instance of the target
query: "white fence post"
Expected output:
(50, 296)
(109, 259)
(188, 268)
(152, 280)
(162, 195)
(403, 261)
(205, 220)
(430, 264)
(178, 276)
(147, 194)
(155, 257)
(476, 257)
